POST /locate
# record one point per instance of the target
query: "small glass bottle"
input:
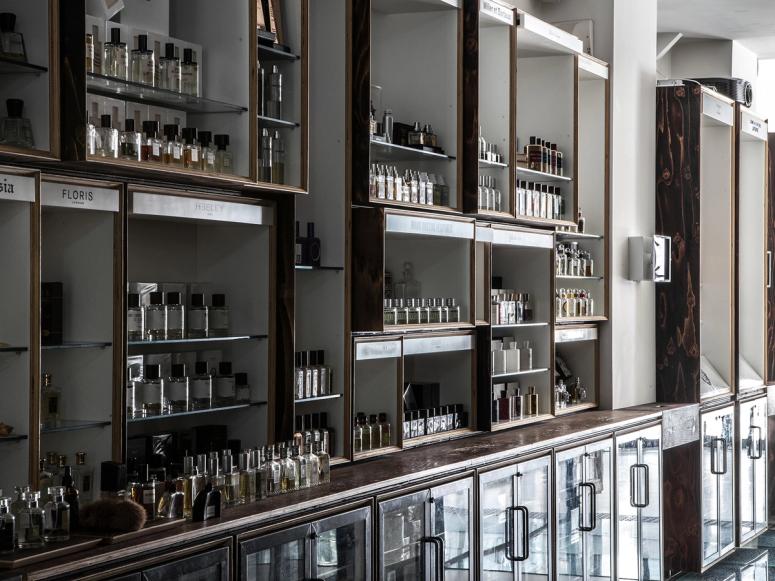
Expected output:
(188, 485)
(526, 357)
(56, 516)
(176, 390)
(11, 42)
(7, 527)
(326, 374)
(384, 431)
(310, 473)
(374, 432)
(324, 463)
(217, 477)
(30, 523)
(299, 374)
(357, 436)
(129, 142)
(207, 152)
(152, 147)
(84, 477)
(173, 147)
(191, 152)
(115, 60)
(266, 156)
(156, 317)
(198, 315)
(225, 385)
(278, 159)
(135, 318)
(92, 141)
(243, 388)
(453, 310)
(15, 129)
(200, 387)
(50, 404)
(219, 316)
(223, 159)
(189, 72)
(274, 471)
(231, 478)
(176, 317)
(143, 63)
(150, 391)
(169, 69)
(274, 96)
(290, 471)
(107, 137)
(90, 62)
(247, 478)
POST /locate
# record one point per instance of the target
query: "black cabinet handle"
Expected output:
(758, 440)
(511, 554)
(592, 520)
(636, 472)
(714, 456)
(438, 545)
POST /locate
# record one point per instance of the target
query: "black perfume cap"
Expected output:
(382, 417)
(142, 43)
(205, 138)
(200, 368)
(497, 282)
(308, 421)
(15, 107)
(197, 300)
(169, 50)
(304, 355)
(157, 298)
(312, 357)
(321, 357)
(171, 131)
(221, 140)
(173, 298)
(152, 371)
(189, 134)
(115, 35)
(298, 423)
(151, 128)
(241, 378)
(219, 300)
(178, 370)
(324, 420)
(188, 56)
(129, 125)
(7, 21)
(310, 229)
(133, 300)
(297, 359)
(105, 121)
(224, 368)
(112, 476)
(532, 140)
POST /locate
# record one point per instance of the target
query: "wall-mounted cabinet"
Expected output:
(695, 207)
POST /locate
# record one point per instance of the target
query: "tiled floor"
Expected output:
(755, 562)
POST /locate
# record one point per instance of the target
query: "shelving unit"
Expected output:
(577, 355)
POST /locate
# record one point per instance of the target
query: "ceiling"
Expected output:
(752, 22)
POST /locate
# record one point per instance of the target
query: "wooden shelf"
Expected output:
(304, 267)
(12, 349)
(518, 326)
(12, 438)
(576, 320)
(571, 277)
(412, 205)
(404, 6)
(375, 453)
(440, 437)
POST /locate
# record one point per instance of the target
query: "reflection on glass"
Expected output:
(533, 494)
(495, 497)
(569, 537)
(598, 543)
(403, 527)
(282, 562)
(341, 552)
(451, 523)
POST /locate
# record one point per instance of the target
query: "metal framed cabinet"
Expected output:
(209, 566)
(639, 504)
(427, 534)
(718, 484)
(584, 510)
(515, 521)
(752, 468)
(335, 547)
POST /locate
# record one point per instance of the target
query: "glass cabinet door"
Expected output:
(402, 538)
(711, 434)
(533, 534)
(209, 566)
(596, 499)
(759, 432)
(569, 475)
(727, 481)
(452, 523)
(496, 506)
(280, 556)
(752, 448)
(341, 547)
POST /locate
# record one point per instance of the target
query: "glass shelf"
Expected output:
(12, 349)
(525, 372)
(580, 235)
(78, 345)
(138, 93)
(307, 267)
(10, 66)
(539, 176)
(518, 325)
(381, 151)
(273, 53)
(74, 425)
(568, 276)
(276, 123)
(195, 341)
(12, 438)
(319, 398)
(242, 406)
(486, 163)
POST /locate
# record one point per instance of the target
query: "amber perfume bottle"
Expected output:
(151, 148)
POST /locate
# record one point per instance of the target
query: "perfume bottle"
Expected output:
(223, 158)
(11, 42)
(384, 431)
(176, 317)
(176, 390)
(206, 152)
(191, 152)
(135, 318)
(151, 148)
(290, 471)
(231, 480)
(30, 522)
(115, 59)
(173, 147)
(299, 375)
(156, 318)
(191, 485)
(107, 138)
(247, 478)
(531, 401)
(243, 388)
(310, 467)
(324, 464)
(189, 74)
(84, 477)
(225, 385)
(7, 527)
(129, 142)
(92, 139)
(278, 159)
(143, 62)
(273, 472)
(326, 374)
(274, 94)
(15, 129)
(407, 287)
(49, 406)
(357, 436)
(90, 63)
(201, 387)
(149, 390)
(168, 76)
(198, 315)
(219, 316)
(266, 156)
(56, 516)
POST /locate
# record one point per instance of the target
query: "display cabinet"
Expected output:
(427, 534)
(639, 504)
(515, 521)
(752, 446)
(695, 208)
(338, 546)
(29, 118)
(584, 511)
(576, 368)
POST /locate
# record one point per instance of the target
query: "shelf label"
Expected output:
(717, 109)
(377, 350)
(425, 345)
(200, 209)
(400, 224)
(83, 197)
(498, 11)
(520, 238)
(572, 335)
(593, 67)
(753, 126)
(17, 188)
(552, 34)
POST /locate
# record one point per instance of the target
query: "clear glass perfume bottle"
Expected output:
(173, 147)
(135, 318)
(149, 390)
(243, 388)
(189, 71)
(190, 485)
(92, 140)
(176, 390)
(324, 464)
(156, 317)
(266, 156)
(407, 287)
(90, 64)
(274, 94)
(115, 59)
(278, 159)
(225, 385)
(129, 141)
(143, 62)
(290, 471)
(247, 478)
(176, 316)
(198, 315)
(298, 377)
(7, 527)
(385, 438)
(30, 523)
(84, 477)
(50, 404)
(56, 516)
(207, 152)
(224, 162)
(15, 129)
(326, 374)
(357, 436)
(191, 152)
(231, 478)
(11, 42)
(151, 147)
(201, 387)
(273, 472)
(310, 471)
(168, 76)
(219, 316)
(107, 137)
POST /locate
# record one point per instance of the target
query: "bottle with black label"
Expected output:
(311, 250)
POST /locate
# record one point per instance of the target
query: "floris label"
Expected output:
(79, 196)
(17, 188)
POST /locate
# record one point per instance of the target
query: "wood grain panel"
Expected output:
(72, 79)
(470, 114)
(368, 269)
(359, 97)
(681, 485)
(771, 248)
(678, 216)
